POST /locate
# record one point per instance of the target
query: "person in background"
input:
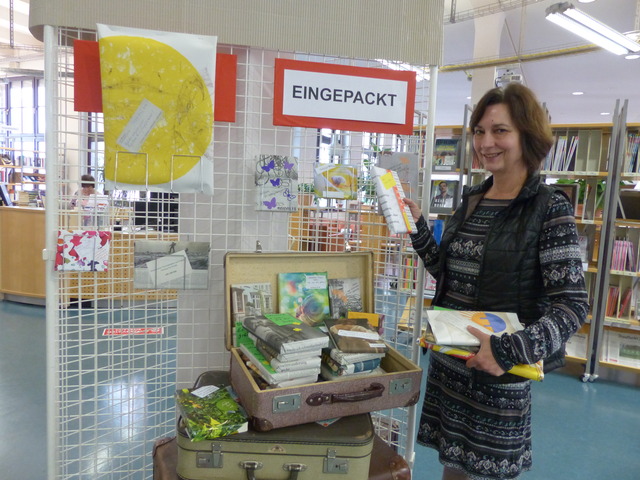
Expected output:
(87, 188)
(512, 246)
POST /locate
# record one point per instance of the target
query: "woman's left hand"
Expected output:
(484, 360)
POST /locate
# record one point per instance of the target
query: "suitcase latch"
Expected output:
(401, 385)
(286, 403)
(332, 464)
(211, 459)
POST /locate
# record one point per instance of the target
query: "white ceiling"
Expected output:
(602, 76)
(519, 30)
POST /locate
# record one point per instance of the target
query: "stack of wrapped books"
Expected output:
(281, 349)
(357, 349)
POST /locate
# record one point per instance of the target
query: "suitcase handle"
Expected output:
(250, 468)
(319, 398)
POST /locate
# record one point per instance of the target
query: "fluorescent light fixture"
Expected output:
(567, 16)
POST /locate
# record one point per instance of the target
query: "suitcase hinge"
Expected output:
(211, 459)
(333, 464)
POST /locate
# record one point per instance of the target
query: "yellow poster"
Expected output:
(158, 97)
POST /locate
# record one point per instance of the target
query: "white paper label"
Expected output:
(316, 281)
(139, 126)
(205, 391)
(169, 268)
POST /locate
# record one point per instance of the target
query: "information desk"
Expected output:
(22, 239)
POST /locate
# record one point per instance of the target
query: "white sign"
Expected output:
(345, 97)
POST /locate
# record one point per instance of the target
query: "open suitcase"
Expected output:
(347, 447)
(282, 407)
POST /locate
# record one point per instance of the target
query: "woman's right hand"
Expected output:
(416, 213)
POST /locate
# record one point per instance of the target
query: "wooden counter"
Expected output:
(22, 239)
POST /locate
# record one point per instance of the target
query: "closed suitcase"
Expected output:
(385, 464)
(282, 407)
(310, 451)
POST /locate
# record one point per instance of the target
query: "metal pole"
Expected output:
(51, 228)
(607, 238)
(419, 297)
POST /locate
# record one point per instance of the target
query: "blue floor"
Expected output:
(581, 431)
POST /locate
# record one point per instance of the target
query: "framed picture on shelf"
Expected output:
(443, 196)
(570, 190)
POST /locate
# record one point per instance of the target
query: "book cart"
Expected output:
(117, 352)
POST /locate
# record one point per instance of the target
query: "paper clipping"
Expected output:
(171, 265)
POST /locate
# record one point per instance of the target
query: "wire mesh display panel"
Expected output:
(121, 341)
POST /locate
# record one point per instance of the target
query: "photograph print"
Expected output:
(159, 264)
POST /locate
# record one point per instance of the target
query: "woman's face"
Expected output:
(497, 141)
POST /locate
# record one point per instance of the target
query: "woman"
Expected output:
(512, 246)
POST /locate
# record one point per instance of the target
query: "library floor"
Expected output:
(581, 431)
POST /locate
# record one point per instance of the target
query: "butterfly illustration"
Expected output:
(287, 165)
(270, 204)
(288, 194)
(269, 166)
(275, 182)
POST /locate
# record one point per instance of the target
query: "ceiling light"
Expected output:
(632, 56)
(577, 93)
(567, 16)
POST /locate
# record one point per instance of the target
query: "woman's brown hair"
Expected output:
(528, 117)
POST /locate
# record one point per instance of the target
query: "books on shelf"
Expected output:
(621, 348)
(354, 335)
(285, 333)
(631, 163)
(624, 256)
(612, 300)
(445, 154)
(305, 295)
(345, 294)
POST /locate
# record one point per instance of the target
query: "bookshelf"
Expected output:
(23, 174)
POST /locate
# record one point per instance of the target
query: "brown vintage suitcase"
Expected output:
(385, 464)
(281, 407)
